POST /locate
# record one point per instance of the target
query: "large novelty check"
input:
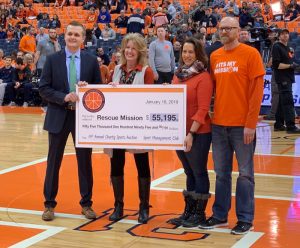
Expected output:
(131, 116)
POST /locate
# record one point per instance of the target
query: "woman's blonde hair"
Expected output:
(140, 46)
(27, 57)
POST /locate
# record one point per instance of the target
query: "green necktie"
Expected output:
(72, 73)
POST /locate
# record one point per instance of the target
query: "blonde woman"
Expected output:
(133, 69)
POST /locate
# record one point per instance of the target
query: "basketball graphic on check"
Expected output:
(93, 100)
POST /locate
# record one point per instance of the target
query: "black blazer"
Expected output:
(54, 86)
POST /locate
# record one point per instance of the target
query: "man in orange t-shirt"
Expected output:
(238, 72)
(28, 43)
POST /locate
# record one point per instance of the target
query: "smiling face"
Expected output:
(131, 54)
(188, 54)
(74, 37)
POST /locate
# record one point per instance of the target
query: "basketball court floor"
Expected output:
(23, 152)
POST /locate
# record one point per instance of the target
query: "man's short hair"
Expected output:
(77, 24)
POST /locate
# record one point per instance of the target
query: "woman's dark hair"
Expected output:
(199, 51)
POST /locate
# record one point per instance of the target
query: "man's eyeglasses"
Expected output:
(226, 29)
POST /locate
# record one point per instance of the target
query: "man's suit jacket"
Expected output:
(54, 85)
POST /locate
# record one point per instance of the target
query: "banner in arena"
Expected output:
(267, 91)
(131, 116)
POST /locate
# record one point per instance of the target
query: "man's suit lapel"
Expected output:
(63, 69)
(82, 65)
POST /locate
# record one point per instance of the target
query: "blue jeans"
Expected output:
(194, 163)
(225, 141)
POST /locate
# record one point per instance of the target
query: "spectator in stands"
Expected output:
(108, 33)
(176, 50)
(31, 13)
(215, 13)
(21, 12)
(6, 77)
(116, 61)
(201, 38)
(259, 20)
(284, 72)
(103, 56)
(104, 71)
(89, 4)
(96, 30)
(44, 22)
(18, 34)
(3, 34)
(147, 10)
(244, 36)
(183, 33)
(41, 35)
(150, 37)
(91, 16)
(192, 73)
(218, 4)
(160, 18)
(161, 58)
(21, 81)
(104, 16)
(132, 70)
(171, 9)
(120, 5)
(29, 62)
(121, 20)
(208, 20)
(11, 21)
(135, 22)
(10, 33)
(231, 8)
(216, 44)
(3, 21)
(54, 22)
(292, 13)
(3, 10)
(2, 62)
(198, 14)
(45, 48)
(245, 18)
(175, 26)
(90, 38)
(28, 43)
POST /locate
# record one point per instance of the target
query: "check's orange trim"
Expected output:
(114, 90)
(126, 144)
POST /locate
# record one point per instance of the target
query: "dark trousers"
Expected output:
(164, 77)
(57, 143)
(286, 111)
(194, 163)
(12, 92)
(118, 162)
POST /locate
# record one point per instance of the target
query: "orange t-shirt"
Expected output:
(238, 75)
(104, 74)
(199, 93)
(91, 18)
(27, 44)
(2, 63)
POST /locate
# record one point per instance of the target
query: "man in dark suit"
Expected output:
(62, 70)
